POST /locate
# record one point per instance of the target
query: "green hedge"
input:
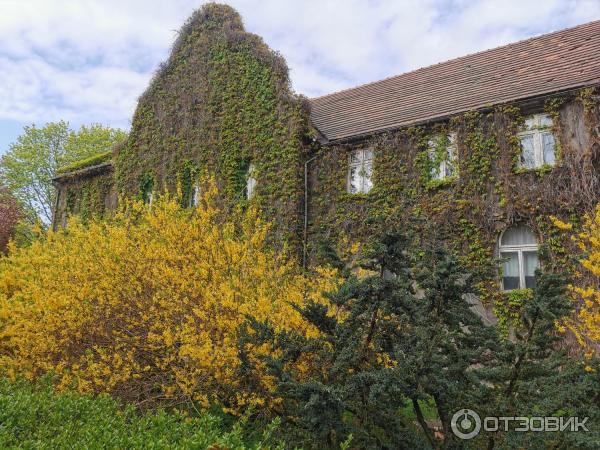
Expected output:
(34, 416)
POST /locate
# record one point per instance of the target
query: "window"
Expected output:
(148, 191)
(148, 198)
(442, 154)
(194, 196)
(360, 171)
(519, 250)
(250, 181)
(537, 142)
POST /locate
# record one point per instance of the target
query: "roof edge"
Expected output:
(445, 116)
(86, 171)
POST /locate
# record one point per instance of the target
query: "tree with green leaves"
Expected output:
(32, 161)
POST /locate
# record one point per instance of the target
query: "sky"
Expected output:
(88, 61)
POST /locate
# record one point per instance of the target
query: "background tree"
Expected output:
(10, 214)
(31, 162)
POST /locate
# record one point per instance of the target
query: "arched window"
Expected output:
(519, 250)
(148, 191)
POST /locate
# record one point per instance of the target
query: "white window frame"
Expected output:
(443, 171)
(194, 196)
(362, 159)
(150, 198)
(250, 182)
(535, 129)
(519, 249)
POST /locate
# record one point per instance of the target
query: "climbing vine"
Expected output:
(220, 103)
(508, 308)
(89, 197)
(467, 212)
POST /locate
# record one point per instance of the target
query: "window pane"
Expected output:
(195, 197)
(353, 180)
(436, 172)
(510, 270)
(530, 261)
(250, 187)
(250, 181)
(368, 155)
(450, 161)
(355, 157)
(510, 283)
(548, 146)
(527, 151)
(530, 282)
(367, 175)
(516, 236)
(511, 264)
(545, 120)
(448, 169)
(530, 123)
(452, 139)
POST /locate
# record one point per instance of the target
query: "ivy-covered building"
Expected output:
(478, 152)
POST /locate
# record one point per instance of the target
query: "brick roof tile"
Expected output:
(553, 62)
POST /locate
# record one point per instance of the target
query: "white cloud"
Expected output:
(89, 60)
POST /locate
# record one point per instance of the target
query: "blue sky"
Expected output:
(87, 61)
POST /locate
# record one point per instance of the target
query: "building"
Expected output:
(478, 151)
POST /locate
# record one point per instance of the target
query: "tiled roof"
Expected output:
(549, 63)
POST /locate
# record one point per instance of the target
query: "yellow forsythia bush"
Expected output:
(148, 305)
(586, 323)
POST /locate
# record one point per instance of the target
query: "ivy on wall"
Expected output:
(465, 213)
(89, 197)
(221, 102)
(100, 158)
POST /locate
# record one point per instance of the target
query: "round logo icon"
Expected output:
(466, 424)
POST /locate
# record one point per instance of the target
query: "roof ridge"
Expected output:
(511, 44)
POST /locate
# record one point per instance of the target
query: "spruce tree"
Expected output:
(401, 349)
(391, 342)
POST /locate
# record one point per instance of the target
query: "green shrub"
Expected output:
(34, 416)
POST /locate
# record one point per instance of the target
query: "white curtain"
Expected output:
(516, 236)
(511, 264)
(528, 151)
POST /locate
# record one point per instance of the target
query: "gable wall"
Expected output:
(90, 194)
(220, 103)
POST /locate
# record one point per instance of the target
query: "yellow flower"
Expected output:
(152, 298)
(586, 323)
